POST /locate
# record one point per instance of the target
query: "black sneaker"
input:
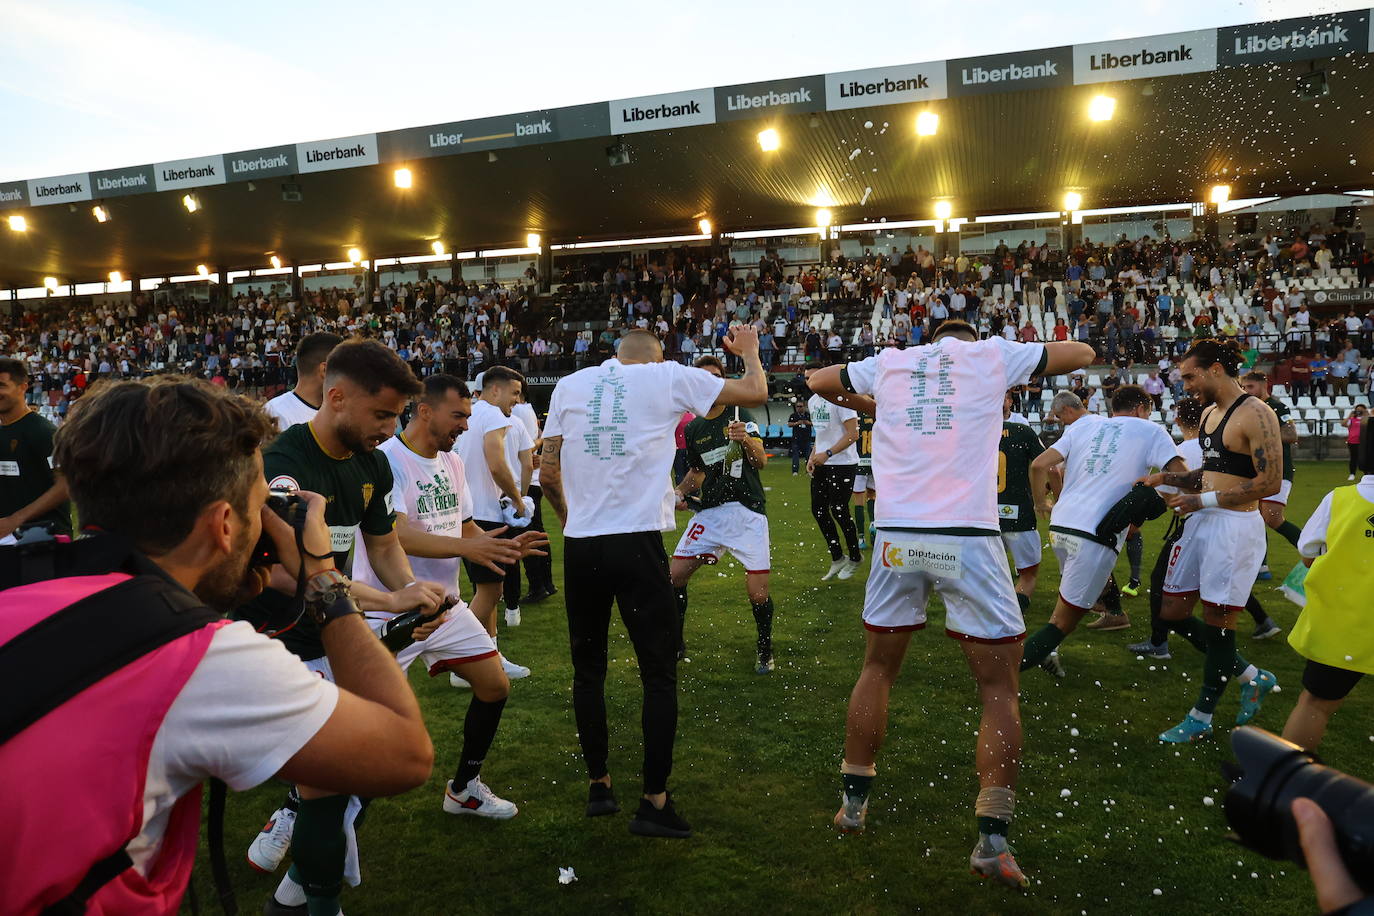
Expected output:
(537, 595)
(601, 800)
(660, 822)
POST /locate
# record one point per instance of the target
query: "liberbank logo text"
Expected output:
(855, 89)
(1292, 41)
(358, 151)
(635, 113)
(1141, 58)
(977, 76)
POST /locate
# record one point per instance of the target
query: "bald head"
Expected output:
(639, 346)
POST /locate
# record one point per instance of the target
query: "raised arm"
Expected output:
(829, 384)
(750, 389)
(1064, 356)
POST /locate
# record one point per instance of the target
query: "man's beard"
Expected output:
(224, 586)
(352, 439)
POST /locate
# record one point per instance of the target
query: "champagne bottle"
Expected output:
(734, 455)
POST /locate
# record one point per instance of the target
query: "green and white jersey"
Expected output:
(26, 470)
(1015, 503)
(708, 450)
(358, 491)
(1285, 416)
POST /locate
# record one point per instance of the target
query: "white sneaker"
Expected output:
(456, 681)
(835, 567)
(852, 814)
(1351, 477)
(477, 799)
(850, 567)
(512, 617)
(513, 671)
(270, 846)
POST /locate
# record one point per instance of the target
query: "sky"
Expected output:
(87, 85)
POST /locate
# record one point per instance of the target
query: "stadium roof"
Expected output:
(1239, 105)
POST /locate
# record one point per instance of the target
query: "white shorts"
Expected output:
(968, 571)
(863, 480)
(1223, 556)
(459, 640)
(1025, 547)
(1181, 577)
(1280, 497)
(1084, 567)
(730, 528)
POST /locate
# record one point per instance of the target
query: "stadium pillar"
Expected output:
(369, 280)
(222, 289)
(296, 281)
(545, 266)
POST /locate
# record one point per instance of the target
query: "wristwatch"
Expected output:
(829, 453)
(327, 597)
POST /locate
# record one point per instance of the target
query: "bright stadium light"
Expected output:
(1220, 194)
(116, 277)
(19, 224)
(202, 270)
(943, 209)
(822, 218)
(354, 255)
(705, 226)
(50, 282)
(532, 240)
(927, 123)
(1072, 201)
(275, 262)
(1101, 108)
(191, 203)
(438, 247)
(100, 213)
(403, 178)
(769, 140)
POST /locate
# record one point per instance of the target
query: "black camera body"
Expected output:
(290, 508)
(1274, 772)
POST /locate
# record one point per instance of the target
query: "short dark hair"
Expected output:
(314, 349)
(708, 360)
(144, 459)
(1209, 350)
(1130, 397)
(1188, 412)
(954, 326)
(16, 369)
(501, 374)
(436, 386)
(372, 367)
(1254, 375)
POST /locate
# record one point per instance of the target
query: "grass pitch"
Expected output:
(757, 765)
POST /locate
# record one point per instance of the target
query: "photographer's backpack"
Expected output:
(94, 613)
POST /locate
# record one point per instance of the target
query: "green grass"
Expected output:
(757, 765)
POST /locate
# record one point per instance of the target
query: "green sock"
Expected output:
(763, 623)
(856, 787)
(859, 523)
(1289, 532)
(1222, 664)
(318, 849)
(1191, 629)
(1041, 644)
(993, 825)
(1024, 601)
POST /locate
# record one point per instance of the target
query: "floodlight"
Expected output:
(705, 226)
(1221, 194)
(275, 262)
(116, 277)
(943, 209)
(1072, 201)
(403, 178)
(191, 203)
(822, 218)
(100, 213)
(355, 255)
(202, 270)
(50, 282)
(19, 224)
(438, 247)
(1101, 108)
(927, 123)
(769, 140)
(532, 240)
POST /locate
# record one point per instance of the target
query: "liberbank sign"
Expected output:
(1331, 35)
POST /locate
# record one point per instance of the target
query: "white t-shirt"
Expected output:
(1103, 458)
(617, 423)
(1190, 450)
(486, 496)
(526, 415)
(289, 409)
(246, 710)
(827, 428)
(1312, 541)
(432, 493)
(938, 427)
(517, 440)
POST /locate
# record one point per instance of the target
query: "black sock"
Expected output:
(293, 800)
(479, 729)
(763, 622)
(859, 522)
(1256, 609)
(1024, 601)
(318, 847)
(1191, 629)
(1290, 532)
(1111, 596)
(1135, 547)
(681, 595)
(1222, 664)
(990, 826)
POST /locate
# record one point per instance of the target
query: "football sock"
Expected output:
(1024, 601)
(289, 892)
(318, 849)
(479, 730)
(857, 780)
(994, 809)
(1256, 609)
(763, 622)
(293, 800)
(1191, 629)
(1135, 547)
(1289, 532)
(1111, 596)
(1044, 641)
(1222, 664)
(859, 521)
(681, 595)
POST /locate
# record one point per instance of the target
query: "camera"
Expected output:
(1273, 773)
(290, 508)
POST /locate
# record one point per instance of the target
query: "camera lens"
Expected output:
(1274, 773)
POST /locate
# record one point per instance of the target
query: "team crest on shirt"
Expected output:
(367, 494)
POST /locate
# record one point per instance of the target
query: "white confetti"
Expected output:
(1158, 892)
(1064, 793)
(566, 875)
(1073, 732)
(1208, 800)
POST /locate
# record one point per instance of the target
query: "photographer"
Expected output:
(171, 473)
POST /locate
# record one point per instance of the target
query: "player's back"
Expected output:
(1103, 458)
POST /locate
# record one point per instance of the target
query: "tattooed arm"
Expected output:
(1261, 429)
(1180, 478)
(551, 476)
